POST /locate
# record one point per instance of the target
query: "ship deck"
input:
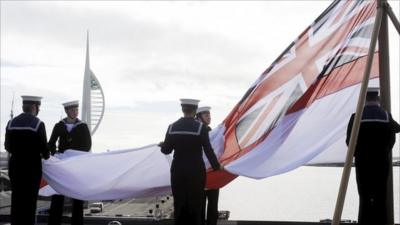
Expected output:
(137, 221)
(132, 212)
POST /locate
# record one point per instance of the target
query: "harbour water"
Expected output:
(305, 194)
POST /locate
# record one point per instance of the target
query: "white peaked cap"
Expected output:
(188, 101)
(71, 104)
(203, 109)
(30, 98)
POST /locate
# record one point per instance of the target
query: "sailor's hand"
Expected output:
(46, 156)
(221, 167)
(160, 144)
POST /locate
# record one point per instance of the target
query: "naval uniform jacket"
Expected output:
(376, 136)
(78, 138)
(372, 161)
(26, 137)
(188, 137)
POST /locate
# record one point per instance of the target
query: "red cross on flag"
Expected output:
(298, 109)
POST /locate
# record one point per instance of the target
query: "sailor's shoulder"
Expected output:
(25, 121)
(375, 114)
(24, 117)
(186, 126)
(179, 121)
(197, 122)
(187, 122)
(61, 122)
(81, 123)
(59, 125)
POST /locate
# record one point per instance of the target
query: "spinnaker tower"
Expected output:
(93, 103)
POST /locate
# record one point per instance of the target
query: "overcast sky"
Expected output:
(146, 56)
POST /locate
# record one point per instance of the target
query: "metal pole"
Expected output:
(356, 124)
(392, 17)
(384, 84)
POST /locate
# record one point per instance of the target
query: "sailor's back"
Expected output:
(24, 136)
(185, 137)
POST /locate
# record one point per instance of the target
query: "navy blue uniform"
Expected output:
(78, 139)
(372, 160)
(210, 203)
(26, 141)
(188, 138)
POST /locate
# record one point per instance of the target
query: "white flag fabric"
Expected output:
(119, 174)
(295, 113)
(110, 175)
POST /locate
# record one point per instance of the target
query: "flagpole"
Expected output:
(392, 17)
(356, 124)
(384, 84)
(396, 24)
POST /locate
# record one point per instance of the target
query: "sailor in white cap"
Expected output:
(203, 115)
(188, 138)
(71, 133)
(209, 216)
(72, 104)
(26, 142)
(375, 141)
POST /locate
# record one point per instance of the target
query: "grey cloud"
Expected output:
(115, 33)
(18, 64)
(160, 107)
(161, 76)
(136, 50)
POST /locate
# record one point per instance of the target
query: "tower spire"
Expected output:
(93, 103)
(87, 65)
(86, 98)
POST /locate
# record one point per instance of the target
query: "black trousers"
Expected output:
(372, 188)
(210, 207)
(25, 181)
(188, 191)
(56, 211)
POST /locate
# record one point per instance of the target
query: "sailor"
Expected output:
(372, 158)
(71, 133)
(188, 138)
(26, 142)
(211, 195)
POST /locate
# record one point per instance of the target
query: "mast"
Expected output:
(12, 107)
(357, 119)
(396, 24)
(384, 84)
(380, 33)
(11, 117)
